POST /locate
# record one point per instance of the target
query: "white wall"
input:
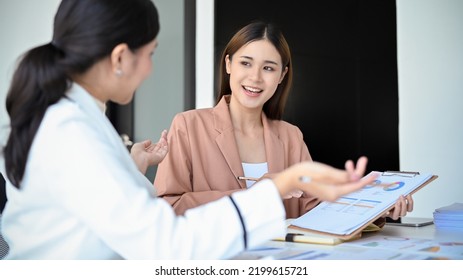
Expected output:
(204, 53)
(23, 25)
(430, 69)
(161, 96)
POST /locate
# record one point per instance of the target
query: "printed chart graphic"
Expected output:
(391, 186)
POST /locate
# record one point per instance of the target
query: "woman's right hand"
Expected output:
(323, 181)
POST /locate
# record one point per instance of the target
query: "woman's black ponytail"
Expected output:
(37, 83)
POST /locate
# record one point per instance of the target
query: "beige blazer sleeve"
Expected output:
(195, 171)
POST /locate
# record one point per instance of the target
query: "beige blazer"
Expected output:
(203, 161)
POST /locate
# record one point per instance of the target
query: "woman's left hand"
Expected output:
(401, 207)
(294, 193)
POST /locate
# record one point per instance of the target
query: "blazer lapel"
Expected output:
(226, 139)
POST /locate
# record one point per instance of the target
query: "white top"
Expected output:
(82, 197)
(255, 170)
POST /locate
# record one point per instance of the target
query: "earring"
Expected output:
(118, 72)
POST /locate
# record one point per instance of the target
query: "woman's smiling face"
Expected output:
(255, 71)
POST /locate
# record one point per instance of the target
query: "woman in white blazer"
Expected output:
(74, 192)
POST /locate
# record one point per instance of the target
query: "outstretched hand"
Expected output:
(147, 153)
(323, 181)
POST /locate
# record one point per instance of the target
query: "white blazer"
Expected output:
(82, 197)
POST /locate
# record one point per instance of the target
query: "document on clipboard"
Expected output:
(349, 215)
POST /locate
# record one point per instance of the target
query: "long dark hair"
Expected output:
(258, 30)
(85, 31)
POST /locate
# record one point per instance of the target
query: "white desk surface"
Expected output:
(391, 242)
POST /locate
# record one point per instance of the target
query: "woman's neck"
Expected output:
(245, 119)
(94, 81)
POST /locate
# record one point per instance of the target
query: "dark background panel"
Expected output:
(345, 92)
(2, 193)
(122, 117)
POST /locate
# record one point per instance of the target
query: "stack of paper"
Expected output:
(449, 217)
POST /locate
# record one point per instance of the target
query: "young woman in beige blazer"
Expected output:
(207, 147)
(243, 135)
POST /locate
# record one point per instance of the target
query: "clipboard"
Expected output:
(324, 218)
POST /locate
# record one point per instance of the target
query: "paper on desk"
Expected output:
(272, 253)
(432, 248)
(449, 217)
(455, 208)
